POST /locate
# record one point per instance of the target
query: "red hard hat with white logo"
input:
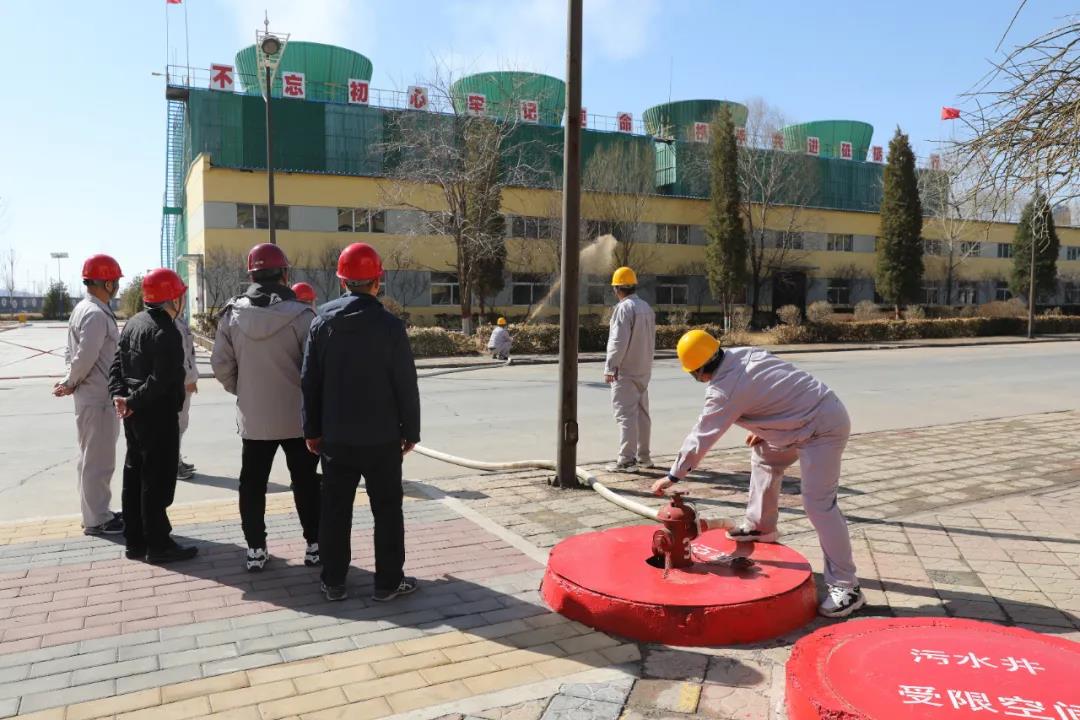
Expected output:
(101, 267)
(359, 262)
(304, 292)
(266, 257)
(162, 285)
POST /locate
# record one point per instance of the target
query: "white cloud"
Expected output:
(348, 23)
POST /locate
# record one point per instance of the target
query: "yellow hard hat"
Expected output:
(623, 276)
(501, 321)
(696, 348)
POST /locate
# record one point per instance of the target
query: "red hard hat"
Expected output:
(359, 261)
(162, 285)
(304, 292)
(101, 267)
(267, 257)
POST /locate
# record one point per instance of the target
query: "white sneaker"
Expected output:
(841, 601)
(745, 533)
(311, 555)
(257, 559)
(623, 466)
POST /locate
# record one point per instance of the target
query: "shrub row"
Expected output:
(879, 330)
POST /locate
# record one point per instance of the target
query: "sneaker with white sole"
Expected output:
(646, 464)
(115, 526)
(406, 586)
(623, 466)
(311, 555)
(841, 601)
(745, 533)
(257, 559)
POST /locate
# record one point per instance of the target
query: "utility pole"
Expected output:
(269, 50)
(566, 463)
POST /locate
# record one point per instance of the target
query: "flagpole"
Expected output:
(187, 48)
(166, 43)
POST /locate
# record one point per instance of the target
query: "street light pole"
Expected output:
(269, 50)
(566, 462)
(270, 161)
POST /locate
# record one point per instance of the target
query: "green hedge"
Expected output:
(437, 342)
(882, 330)
(537, 339)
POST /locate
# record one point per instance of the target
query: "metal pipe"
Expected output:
(269, 163)
(567, 432)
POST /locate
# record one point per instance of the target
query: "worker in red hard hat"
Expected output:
(91, 345)
(362, 415)
(147, 385)
(304, 293)
(257, 355)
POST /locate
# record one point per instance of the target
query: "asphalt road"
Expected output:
(509, 413)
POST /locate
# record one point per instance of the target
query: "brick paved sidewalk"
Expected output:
(974, 520)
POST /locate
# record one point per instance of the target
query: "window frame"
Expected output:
(838, 290)
(846, 240)
(931, 293)
(672, 284)
(1072, 252)
(1004, 251)
(444, 280)
(963, 287)
(1002, 292)
(594, 282)
(971, 248)
(681, 231)
(370, 217)
(534, 282)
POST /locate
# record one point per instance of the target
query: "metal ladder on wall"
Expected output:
(172, 201)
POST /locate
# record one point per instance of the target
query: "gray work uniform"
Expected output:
(630, 347)
(191, 371)
(91, 346)
(499, 342)
(799, 418)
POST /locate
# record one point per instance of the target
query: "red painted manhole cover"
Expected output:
(932, 668)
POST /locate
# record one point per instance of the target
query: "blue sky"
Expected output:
(82, 121)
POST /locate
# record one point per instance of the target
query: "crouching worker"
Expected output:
(499, 342)
(791, 416)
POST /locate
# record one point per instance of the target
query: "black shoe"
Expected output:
(334, 593)
(135, 553)
(406, 586)
(112, 527)
(172, 553)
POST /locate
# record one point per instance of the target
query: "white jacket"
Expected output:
(91, 347)
(757, 391)
(191, 368)
(631, 340)
(499, 341)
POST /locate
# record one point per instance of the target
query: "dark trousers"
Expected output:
(153, 450)
(255, 464)
(380, 466)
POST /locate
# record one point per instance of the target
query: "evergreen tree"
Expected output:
(900, 251)
(131, 300)
(56, 304)
(1036, 225)
(726, 251)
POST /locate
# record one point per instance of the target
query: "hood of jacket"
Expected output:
(264, 310)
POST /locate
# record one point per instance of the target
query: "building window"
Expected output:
(673, 234)
(789, 240)
(1001, 291)
(672, 289)
(839, 243)
(1072, 292)
(931, 294)
(530, 228)
(361, 220)
(529, 289)
(1072, 252)
(839, 291)
(256, 217)
(598, 290)
(445, 289)
(1004, 250)
(931, 247)
(596, 228)
(971, 248)
(967, 293)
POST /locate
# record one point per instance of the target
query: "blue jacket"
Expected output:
(359, 379)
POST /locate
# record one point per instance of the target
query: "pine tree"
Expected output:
(1036, 225)
(900, 251)
(726, 252)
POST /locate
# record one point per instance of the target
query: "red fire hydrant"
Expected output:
(680, 528)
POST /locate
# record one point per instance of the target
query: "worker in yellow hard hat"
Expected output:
(791, 416)
(499, 342)
(628, 368)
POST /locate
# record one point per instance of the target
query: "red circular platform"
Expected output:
(602, 580)
(932, 668)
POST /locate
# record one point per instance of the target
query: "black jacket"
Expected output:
(359, 378)
(149, 365)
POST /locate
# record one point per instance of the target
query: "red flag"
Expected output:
(172, 2)
(948, 113)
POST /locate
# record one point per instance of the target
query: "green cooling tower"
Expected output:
(327, 69)
(503, 91)
(676, 119)
(830, 133)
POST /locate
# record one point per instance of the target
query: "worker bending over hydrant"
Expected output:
(628, 368)
(791, 416)
(499, 342)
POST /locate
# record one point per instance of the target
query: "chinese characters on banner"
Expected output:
(475, 104)
(359, 92)
(778, 141)
(935, 161)
(846, 152)
(813, 146)
(625, 122)
(293, 86)
(701, 132)
(221, 77)
(740, 136)
(417, 98)
(877, 153)
(529, 111)
(584, 118)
